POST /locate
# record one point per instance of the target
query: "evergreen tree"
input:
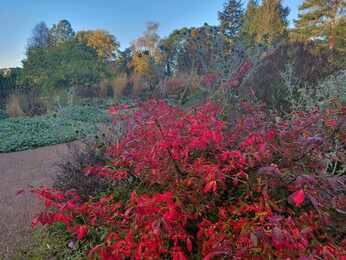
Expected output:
(272, 21)
(231, 19)
(250, 24)
(322, 19)
(61, 33)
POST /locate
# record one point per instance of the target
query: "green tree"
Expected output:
(61, 33)
(69, 65)
(322, 19)
(249, 28)
(231, 18)
(123, 60)
(272, 21)
(175, 47)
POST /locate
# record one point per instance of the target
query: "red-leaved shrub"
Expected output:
(259, 187)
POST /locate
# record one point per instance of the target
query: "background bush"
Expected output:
(71, 171)
(3, 114)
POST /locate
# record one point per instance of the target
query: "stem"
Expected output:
(182, 96)
(170, 154)
(334, 168)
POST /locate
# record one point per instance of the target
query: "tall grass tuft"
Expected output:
(119, 84)
(13, 108)
(102, 87)
(137, 85)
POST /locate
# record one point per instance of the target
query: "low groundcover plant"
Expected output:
(256, 187)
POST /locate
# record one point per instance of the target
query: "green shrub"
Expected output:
(68, 124)
(3, 114)
(18, 134)
(85, 114)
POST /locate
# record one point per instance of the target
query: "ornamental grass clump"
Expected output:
(257, 187)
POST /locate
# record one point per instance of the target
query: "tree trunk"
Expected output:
(332, 29)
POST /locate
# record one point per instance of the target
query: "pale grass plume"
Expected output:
(13, 108)
(119, 84)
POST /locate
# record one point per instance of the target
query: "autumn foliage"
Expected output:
(258, 187)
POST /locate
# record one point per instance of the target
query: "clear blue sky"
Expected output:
(125, 19)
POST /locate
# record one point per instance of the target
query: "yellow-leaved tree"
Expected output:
(104, 43)
(147, 58)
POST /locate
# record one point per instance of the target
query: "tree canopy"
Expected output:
(231, 18)
(57, 60)
(104, 43)
(60, 33)
(39, 37)
(322, 19)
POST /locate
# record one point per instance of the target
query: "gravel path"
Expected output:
(17, 171)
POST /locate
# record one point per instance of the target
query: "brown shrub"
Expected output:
(175, 85)
(71, 172)
(179, 85)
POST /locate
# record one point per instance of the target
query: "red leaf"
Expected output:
(167, 226)
(252, 91)
(125, 106)
(113, 110)
(74, 228)
(139, 252)
(278, 238)
(34, 222)
(225, 84)
(83, 230)
(195, 124)
(235, 83)
(299, 197)
(47, 204)
(93, 220)
(262, 148)
(164, 144)
(138, 113)
(250, 161)
(238, 76)
(210, 185)
(95, 250)
(20, 192)
(249, 64)
(189, 245)
(243, 68)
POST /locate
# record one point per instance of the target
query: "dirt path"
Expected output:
(17, 171)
